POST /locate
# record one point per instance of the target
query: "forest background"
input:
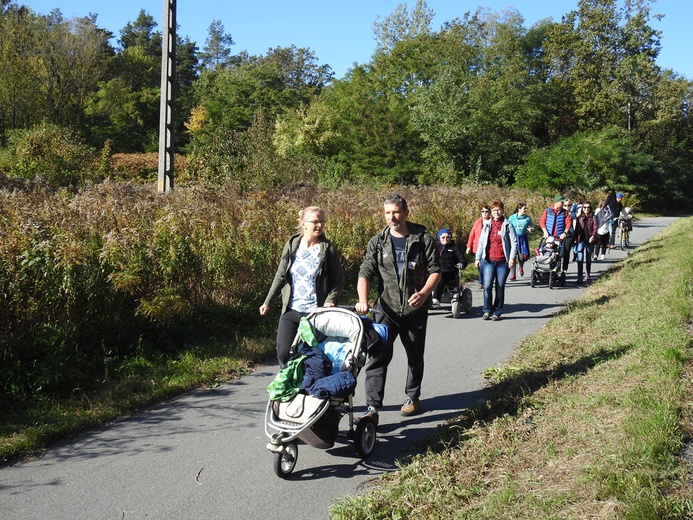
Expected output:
(101, 279)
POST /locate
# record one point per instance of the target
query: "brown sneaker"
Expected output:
(410, 407)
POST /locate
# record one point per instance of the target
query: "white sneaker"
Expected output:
(436, 303)
(601, 257)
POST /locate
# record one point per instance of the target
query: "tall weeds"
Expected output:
(88, 280)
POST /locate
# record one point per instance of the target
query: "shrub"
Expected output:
(54, 155)
(143, 166)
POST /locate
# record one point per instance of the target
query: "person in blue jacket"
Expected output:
(523, 226)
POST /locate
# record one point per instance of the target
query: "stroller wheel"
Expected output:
(285, 461)
(364, 437)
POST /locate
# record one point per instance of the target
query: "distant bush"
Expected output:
(143, 166)
(53, 155)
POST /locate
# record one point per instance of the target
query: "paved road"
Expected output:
(203, 455)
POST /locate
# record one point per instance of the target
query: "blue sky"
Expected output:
(340, 33)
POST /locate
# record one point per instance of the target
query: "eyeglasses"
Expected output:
(484, 211)
(586, 207)
(315, 222)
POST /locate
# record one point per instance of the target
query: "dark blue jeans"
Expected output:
(494, 273)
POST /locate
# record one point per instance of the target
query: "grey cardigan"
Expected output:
(508, 239)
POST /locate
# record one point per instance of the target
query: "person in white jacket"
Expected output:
(602, 233)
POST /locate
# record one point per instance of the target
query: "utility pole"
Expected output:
(166, 113)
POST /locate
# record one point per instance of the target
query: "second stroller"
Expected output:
(547, 264)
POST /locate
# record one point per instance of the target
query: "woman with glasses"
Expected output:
(474, 234)
(309, 276)
(495, 256)
(584, 238)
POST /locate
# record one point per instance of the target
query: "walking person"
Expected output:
(614, 219)
(585, 236)
(569, 240)
(523, 226)
(495, 256)
(309, 276)
(474, 233)
(602, 233)
(403, 257)
(556, 222)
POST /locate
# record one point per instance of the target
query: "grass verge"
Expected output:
(591, 418)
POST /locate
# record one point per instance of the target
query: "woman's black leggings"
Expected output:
(286, 332)
(602, 244)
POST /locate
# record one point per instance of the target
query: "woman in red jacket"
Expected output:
(475, 233)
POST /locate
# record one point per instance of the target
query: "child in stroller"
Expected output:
(546, 267)
(316, 389)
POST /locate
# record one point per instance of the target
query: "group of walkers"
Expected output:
(411, 267)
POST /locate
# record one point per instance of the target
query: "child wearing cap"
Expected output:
(451, 260)
(549, 247)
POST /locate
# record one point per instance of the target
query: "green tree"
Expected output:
(602, 61)
(20, 104)
(284, 79)
(50, 66)
(608, 159)
(125, 110)
(402, 25)
(361, 124)
(72, 58)
(217, 49)
(668, 135)
(142, 34)
(477, 117)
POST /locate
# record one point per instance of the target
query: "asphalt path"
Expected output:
(203, 455)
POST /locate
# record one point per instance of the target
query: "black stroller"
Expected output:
(312, 417)
(547, 264)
